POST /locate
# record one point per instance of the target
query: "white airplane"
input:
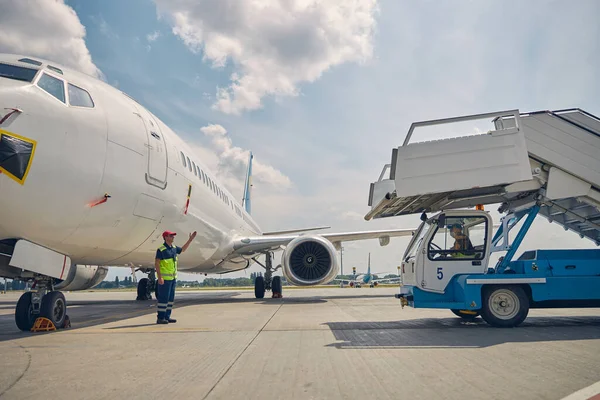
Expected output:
(368, 278)
(90, 179)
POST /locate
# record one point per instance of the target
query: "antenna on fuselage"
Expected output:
(246, 200)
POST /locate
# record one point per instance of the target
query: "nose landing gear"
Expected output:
(42, 301)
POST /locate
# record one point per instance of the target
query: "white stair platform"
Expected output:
(548, 157)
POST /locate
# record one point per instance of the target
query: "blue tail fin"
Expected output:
(369, 267)
(247, 200)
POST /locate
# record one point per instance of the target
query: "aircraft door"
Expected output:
(157, 152)
(458, 246)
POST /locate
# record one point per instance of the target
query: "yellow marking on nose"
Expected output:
(6, 138)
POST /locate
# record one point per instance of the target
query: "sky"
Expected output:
(321, 91)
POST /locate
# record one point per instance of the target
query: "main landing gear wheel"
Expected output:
(144, 290)
(504, 306)
(24, 316)
(267, 282)
(54, 307)
(276, 287)
(470, 316)
(259, 287)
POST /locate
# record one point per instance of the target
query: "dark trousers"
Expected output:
(166, 297)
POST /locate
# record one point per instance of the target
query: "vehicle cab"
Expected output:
(450, 243)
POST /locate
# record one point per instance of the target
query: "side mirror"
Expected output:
(442, 220)
(424, 216)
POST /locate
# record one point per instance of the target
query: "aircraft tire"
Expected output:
(276, 285)
(24, 316)
(259, 287)
(143, 289)
(504, 306)
(54, 307)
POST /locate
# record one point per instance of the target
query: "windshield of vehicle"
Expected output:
(416, 241)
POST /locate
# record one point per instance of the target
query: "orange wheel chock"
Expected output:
(43, 325)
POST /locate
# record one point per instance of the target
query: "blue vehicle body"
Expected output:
(551, 278)
(546, 278)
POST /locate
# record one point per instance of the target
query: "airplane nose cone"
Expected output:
(52, 158)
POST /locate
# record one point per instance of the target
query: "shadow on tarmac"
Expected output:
(87, 313)
(456, 333)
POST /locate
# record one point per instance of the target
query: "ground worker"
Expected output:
(166, 272)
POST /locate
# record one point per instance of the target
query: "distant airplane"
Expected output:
(90, 179)
(369, 278)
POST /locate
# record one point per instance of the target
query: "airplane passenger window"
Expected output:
(183, 159)
(195, 170)
(189, 164)
(53, 86)
(18, 73)
(204, 177)
(79, 97)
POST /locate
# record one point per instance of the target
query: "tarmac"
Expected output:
(311, 344)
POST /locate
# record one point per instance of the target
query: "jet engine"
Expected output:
(81, 277)
(309, 260)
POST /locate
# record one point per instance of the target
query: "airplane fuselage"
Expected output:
(119, 149)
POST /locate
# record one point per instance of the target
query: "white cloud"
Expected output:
(104, 28)
(352, 215)
(46, 29)
(233, 162)
(274, 45)
(151, 37)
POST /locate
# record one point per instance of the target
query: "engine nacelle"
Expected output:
(309, 260)
(82, 277)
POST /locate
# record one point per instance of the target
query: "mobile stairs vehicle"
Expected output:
(542, 163)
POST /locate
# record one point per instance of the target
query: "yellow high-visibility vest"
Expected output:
(168, 267)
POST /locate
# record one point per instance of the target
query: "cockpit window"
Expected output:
(18, 73)
(30, 61)
(51, 68)
(79, 97)
(53, 86)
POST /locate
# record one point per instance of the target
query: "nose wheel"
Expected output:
(41, 303)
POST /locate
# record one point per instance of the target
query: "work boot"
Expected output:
(162, 321)
(171, 320)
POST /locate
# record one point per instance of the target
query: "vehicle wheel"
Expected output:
(54, 307)
(466, 317)
(24, 316)
(504, 306)
(276, 285)
(259, 287)
(143, 289)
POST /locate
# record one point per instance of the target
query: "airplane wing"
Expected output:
(387, 279)
(257, 244)
(343, 280)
